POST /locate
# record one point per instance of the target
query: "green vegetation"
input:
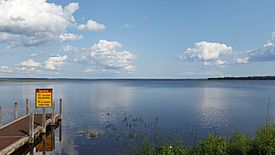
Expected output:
(238, 144)
(144, 137)
(265, 140)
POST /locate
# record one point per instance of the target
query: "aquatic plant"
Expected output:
(265, 140)
(240, 143)
(212, 145)
(91, 133)
(145, 137)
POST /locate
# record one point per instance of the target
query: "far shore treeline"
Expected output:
(245, 78)
(160, 79)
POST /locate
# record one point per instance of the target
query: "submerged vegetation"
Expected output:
(139, 137)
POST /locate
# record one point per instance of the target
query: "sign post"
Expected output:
(43, 99)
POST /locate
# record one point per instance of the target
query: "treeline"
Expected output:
(245, 78)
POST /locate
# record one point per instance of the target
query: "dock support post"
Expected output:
(60, 132)
(53, 114)
(15, 112)
(44, 144)
(0, 116)
(53, 138)
(44, 120)
(31, 128)
(60, 107)
(27, 106)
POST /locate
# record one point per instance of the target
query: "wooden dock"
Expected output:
(28, 129)
(16, 134)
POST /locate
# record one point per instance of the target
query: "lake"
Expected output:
(177, 108)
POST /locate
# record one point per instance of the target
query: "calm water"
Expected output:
(173, 107)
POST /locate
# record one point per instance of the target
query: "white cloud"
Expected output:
(34, 55)
(34, 22)
(105, 56)
(243, 60)
(55, 62)
(5, 69)
(28, 66)
(268, 43)
(265, 53)
(71, 8)
(88, 70)
(92, 25)
(272, 41)
(220, 62)
(70, 37)
(30, 63)
(70, 48)
(203, 74)
(206, 51)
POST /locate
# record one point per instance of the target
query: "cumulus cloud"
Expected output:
(220, 62)
(55, 62)
(206, 51)
(88, 70)
(265, 53)
(105, 56)
(5, 69)
(71, 8)
(70, 37)
(29, 63)
(92, 25)
(70, 48)
(34, 22)
(240, 60)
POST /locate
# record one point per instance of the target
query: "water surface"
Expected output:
(174, 107)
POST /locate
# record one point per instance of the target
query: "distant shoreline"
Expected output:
(245, 78)
(145, 79)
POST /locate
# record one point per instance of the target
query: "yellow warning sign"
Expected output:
(43, 98)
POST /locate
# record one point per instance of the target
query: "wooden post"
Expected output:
(44, 144)
(53, 113)
(15, 112)
(31, 149)
(44, 120)
(53, 138)
(31, 128)
(27, 106)
(0, 117)
(60, 132)
(60, 107)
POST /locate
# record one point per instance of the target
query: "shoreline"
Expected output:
(141, 79)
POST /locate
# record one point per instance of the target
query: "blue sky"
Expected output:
(143, 39)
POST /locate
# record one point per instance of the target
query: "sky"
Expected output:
(136, 39)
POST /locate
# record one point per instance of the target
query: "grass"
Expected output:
(238, 144)
(139, 137)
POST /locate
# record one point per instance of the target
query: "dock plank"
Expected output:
(19, 130)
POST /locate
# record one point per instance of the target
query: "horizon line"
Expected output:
(139, 78)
